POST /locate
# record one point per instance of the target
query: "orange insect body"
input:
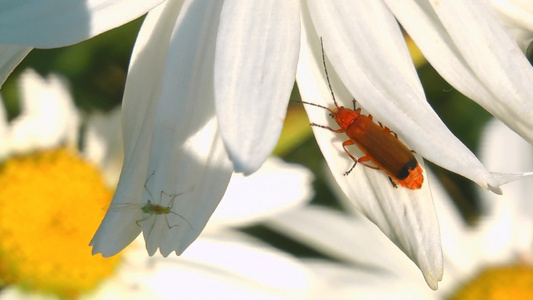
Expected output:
(380, 145)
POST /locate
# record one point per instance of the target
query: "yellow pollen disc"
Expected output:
(507, 282)
(50, 205)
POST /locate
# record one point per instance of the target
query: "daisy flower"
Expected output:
(51, 197)
(209, 82)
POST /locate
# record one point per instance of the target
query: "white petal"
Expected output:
(465, 43)
(276, 187)
(407, 217)
(517, 16)
(256, 57)
(56, 23)
(358, 37)
(367, 283)
(10, 57)
(215, 268)
(461, 254)
(143, 87)
(341, 236)
(505, 151)
(48, 116)
(170, 127)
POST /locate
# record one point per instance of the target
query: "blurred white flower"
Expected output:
(48, 117)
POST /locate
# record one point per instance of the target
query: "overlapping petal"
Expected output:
(358, 38)
(230, 266)
(407, 217)
(346, 238)
(466, 44)
(170, 129)
(256, 58)
(56, 23)
(274, 188)
(10, 57)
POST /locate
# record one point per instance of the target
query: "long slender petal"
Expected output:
(346, 238)
(10, 57)
(276, 187)
(225, 266)
(498, 142)
(406, 217)
(56, 23)
(358, 37)
(143, 89)
(187, 152)
(256, 58)
(172, 126)
(472, 51)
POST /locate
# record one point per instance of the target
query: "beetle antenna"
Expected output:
(326, 71)
(314, 104)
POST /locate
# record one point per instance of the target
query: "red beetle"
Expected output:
(380, 145)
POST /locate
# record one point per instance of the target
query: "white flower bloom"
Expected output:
(209, 81)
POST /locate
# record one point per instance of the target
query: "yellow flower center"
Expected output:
(50, 205)
(506, 282)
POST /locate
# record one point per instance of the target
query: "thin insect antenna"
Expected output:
(326, 71)
(314, 104)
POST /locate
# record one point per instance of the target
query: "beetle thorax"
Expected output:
(345, 116)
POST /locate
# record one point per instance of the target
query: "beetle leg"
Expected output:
(364, 159)
(361, 160)
(394, 185)
(387, 130)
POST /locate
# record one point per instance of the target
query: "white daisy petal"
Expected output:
(232, 268)
(338, 236)
(140, 103)
(367, 283)
(10, 57)
(517, 16)
(472, 51)
(48, 116)
(138, 113)
(56, 23)
(187, 152)
(176, 130)
(407, 217)
(277, 186)
(460, 253)
(256, 58)
(503, 150)
(358, 38)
